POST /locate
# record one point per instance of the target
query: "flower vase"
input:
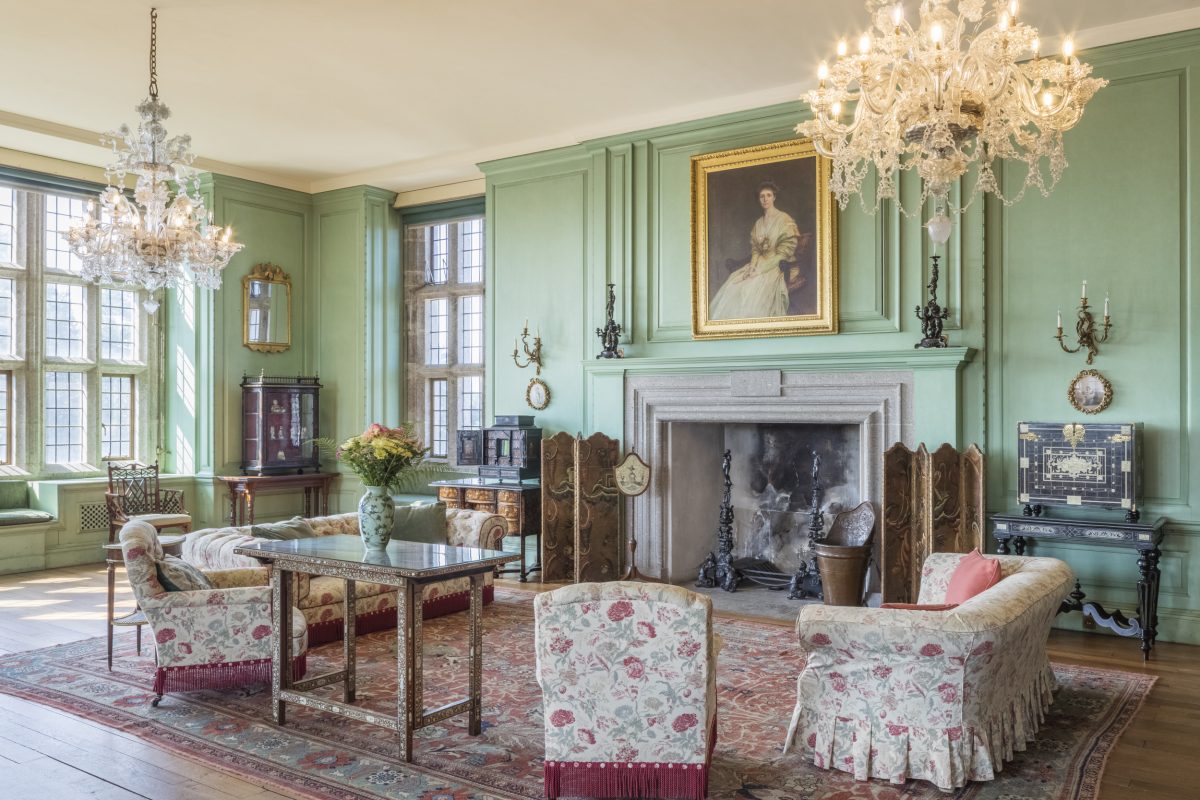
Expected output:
(376, 512)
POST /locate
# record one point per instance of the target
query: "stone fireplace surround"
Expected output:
(675, 520)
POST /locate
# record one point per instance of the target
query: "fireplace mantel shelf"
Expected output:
(934, 358)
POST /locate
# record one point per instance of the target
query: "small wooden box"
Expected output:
(1080, 464)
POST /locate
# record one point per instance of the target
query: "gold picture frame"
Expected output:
(763, 266)
(267, 309)
(537, 394)
(1090, 392)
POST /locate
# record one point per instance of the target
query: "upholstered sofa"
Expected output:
(320, 598)
(206, 638)
(942, 696)
(628, 676)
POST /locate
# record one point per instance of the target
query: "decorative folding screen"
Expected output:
(932, 503)
(581, 506)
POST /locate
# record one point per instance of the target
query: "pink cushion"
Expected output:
(920, 607)
(974, 574)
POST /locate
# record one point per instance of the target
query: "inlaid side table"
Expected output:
(113, 558)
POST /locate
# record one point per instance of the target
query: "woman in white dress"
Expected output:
(759, 289)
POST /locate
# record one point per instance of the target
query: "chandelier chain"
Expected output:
(154, 54)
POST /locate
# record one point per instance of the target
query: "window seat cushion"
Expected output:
(23, 516)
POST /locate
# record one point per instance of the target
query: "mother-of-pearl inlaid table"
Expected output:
(405, 565)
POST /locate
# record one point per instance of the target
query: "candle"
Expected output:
(1083, 291)
(1106, 306)
(1060, 319)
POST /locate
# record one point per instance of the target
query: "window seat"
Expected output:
(14, 505)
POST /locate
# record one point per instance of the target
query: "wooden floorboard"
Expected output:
(46, 753)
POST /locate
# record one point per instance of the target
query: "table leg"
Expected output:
(349, 651)
(406, 657)
(112, 588)
(1002, 545)
(308, 502)
(475, 658)
(248, 507)
(281, 640)
(325, 499)
(234, 498)
(1148, 598)
(524, 573)
(1019, 544)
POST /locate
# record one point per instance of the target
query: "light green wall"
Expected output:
(1123, 218)
(562, 223)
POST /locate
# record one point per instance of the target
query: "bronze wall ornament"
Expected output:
(610, 334)
(1090, 392)
(533, 355)
(537, 394)
(1085, 330)
(932, 315)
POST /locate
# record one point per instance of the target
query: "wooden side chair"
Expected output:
(133, 493)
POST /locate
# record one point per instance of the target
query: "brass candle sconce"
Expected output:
(533, 356)
(1085, 328)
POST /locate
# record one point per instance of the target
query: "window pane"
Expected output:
(64, 320)
(116, 416)
(470, 259)
(470, 402)
(60, 213)
(438, 269)
(62, 423)
(470, 330)
(7, 217)
(438, 433)
(6, 317)
(118, 325)
(5, 406)
(437, 330)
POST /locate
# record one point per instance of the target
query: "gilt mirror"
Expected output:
(267, 309)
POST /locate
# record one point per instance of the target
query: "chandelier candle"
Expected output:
(958, 91)
(152, 242)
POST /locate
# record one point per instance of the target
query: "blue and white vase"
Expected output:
(376, 512)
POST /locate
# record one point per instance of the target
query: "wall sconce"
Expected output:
(532, 356)
(1085, 328)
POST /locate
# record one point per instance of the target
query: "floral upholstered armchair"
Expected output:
(943, 696)
(628, 677)
(209, 638)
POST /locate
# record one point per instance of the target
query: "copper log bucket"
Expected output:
(843, 572)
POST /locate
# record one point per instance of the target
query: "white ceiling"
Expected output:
(404, 94)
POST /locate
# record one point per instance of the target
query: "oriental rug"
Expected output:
(321, 756)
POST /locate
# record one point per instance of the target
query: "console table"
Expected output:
(520, 503)
(243, 488)
(1017, 530)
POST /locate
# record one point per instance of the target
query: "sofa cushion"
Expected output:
(974, 574)
(23, 516)
(326, 590)
(420, 523)
(294, 528)
(176, 575)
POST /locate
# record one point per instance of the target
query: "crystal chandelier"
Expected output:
(962, 89)
(154, 241)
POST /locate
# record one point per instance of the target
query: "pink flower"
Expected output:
(948, 691)
(634, 667)
(882, 672)
(683, 722)
(687, 648)
(215, 599)
(588, 608)
(627, 753)
(620, 610)
(561, 717)
(931, 650)
(647, 630)
(954, 734)
(135, 553)
(185, 648)
(896, 730)
(812, 740)
(820, 639)
(165, 635)
(982, 649)
(587, 735)
(561, 645)
(838, 681)
(261, 631)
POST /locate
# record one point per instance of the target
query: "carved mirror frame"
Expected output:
(266, 273)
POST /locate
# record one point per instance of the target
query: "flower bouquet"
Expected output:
(379, 456)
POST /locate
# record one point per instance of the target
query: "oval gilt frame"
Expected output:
(529, 394)
(1096, 408)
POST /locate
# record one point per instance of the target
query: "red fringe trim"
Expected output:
(330, 630)
(636, 779)
(220, 676)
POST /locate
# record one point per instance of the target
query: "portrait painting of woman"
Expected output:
(763, 239)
